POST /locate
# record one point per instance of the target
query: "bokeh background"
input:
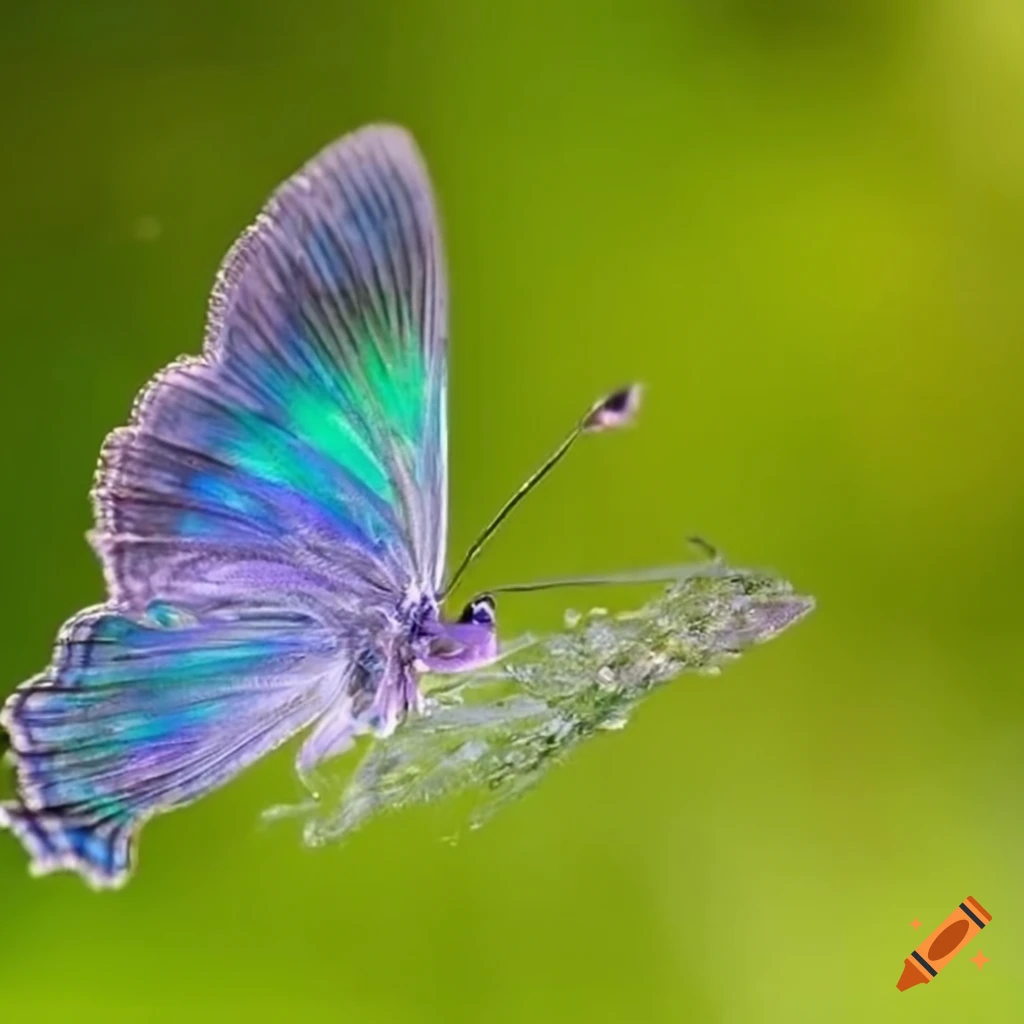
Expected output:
(801, 222)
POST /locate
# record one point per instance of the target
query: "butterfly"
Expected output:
(271, 525)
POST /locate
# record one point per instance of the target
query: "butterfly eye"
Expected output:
(479, 611)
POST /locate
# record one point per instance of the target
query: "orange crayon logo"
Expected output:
(943, 944)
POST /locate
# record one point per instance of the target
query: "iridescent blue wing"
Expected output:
(139, 715)
(306, 449)
(262, 518)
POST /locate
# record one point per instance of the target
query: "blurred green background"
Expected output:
(802, 224)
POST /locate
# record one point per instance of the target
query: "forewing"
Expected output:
(304, 453)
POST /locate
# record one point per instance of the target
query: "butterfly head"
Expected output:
(467, 643)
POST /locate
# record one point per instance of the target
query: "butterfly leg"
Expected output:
(333, 736)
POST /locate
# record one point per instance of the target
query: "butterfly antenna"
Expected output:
(713, 566)
(615, 410)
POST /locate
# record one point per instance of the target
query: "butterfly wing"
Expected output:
(307, 447)
(260, 520)
(137, 716)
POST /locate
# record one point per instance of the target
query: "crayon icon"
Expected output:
(943, 944)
